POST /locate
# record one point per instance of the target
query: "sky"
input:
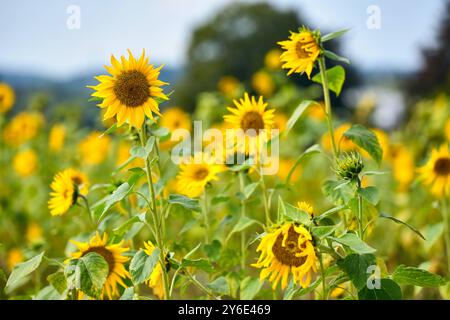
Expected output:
(34, 37)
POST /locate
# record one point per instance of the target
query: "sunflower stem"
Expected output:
(156, 217)
(89, 212)
(322, 272)
(205, 215)
(265, 201)
(360, 213)
(326, 96)
(444, 210)
(243, 215)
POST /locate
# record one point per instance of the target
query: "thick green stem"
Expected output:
(326, 96)
(445, 213)
(243, 215)
(156, 217)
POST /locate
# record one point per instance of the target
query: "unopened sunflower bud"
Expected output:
(349, 165)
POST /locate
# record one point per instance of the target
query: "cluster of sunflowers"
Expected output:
(109, 215)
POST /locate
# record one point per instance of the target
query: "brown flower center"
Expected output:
(302, 53)
(105, 253)
(442, 166)
(132, 88)
(253, 121)
(77, 180)
(201, 173)
(286, 254)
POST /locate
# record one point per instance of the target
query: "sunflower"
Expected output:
(79, 179)
(64, 193)
(280, 121)
(132, 90)
(229, 86)
(287, 249)
(155, 281)
(34, 232)
(94, 148)
(112, 254)
(174, 118)
(25, 163)
(15, 256)
(301, 52)
(272, 59)
(22, 128)
(305, 206)
(285, 165)
(254, 119)
(262, 83)
(56, 137)
(7, 97)
(402, 162)
(195, 174)
(316, 112)
(436, 172)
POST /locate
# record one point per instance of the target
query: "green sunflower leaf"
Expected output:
(334, 35)
(185, 202)
(249, 288)
(365, 139)
(336, 79)
(142, 265)
(356, 267)
(417, 277)
(21, 271)
(389, 290)
(352, 241)
(297, 114)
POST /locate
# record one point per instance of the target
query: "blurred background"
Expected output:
(397, 49)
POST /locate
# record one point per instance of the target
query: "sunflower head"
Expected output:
(301, 51)
(25, 163)
(56, 137)
(263, 83)
(80, 180)
(286, 250)
(22, 128)
(131, 91)
(349, 165)
(15, 256)
(228, 85)
(436, 172)
(66, 187)
(94, 148)
(196, 173)
(7, 97)
(174, 118)
(34, 232)
(252, 117)
(113, 255)
(272, 59)
(155, 281)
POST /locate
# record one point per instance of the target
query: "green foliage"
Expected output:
(417, 277)
(142, 265)
(354, 243)
(356, 266)
(336, 79)
(389, 290)
(365, 139)
(21, 271)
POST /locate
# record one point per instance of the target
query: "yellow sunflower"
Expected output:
(262, 83)
(22, 128)
(287, 249)
(112, 254)
(195, 174)
(25, 163)
(79, 179)
(229, 86)
(402, 161)
(272, 59)
(285, 165)
(94, 148)
(174, 118)
(280, 121)
(56, 137)
(34, 232)
(132, 90)
(15, 256)
(64, 193)
(7, 97)
(301, 52)
(254, 119)
(436, 172)
(305, 206)
(155, 281)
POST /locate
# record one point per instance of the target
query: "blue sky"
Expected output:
(34, 37)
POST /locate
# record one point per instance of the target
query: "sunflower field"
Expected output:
(262, 192)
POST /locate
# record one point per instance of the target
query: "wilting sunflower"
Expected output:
(94, 148)
(174, 118)
(155, 281)
(195, 174)
(132, 90)
(64, 193)
(7, 97)
(287, 249)
(301, 51)
(112, 254)
(56, 137)
(254, 119)
(436, 172)
(25, 163)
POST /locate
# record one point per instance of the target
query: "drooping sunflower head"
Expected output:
(252, 117)
(131, 91)
(436, 172)
(56, 137)
(64, 194)
(196, 173)
(287, 250)
(25, 163)
(7, 97)
(155, 281)
(301, 51)
(113, 255)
